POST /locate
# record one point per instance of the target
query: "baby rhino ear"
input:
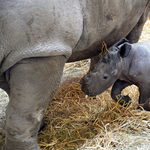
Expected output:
(121, 41)
(124, 49)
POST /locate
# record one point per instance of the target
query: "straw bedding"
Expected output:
(73, 118)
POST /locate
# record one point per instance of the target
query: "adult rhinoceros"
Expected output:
(37, 37)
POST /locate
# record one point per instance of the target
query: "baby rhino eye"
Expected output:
(105, 77)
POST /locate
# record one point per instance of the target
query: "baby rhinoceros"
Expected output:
(124, 64)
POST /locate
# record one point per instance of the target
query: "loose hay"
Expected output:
(104, 49)
(73, 118)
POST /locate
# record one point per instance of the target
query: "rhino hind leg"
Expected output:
(135, 33)
(116, 92)
(33, 82)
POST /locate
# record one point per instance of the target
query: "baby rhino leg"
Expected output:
(116, 92)
(144, 98)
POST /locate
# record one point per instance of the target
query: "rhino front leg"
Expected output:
(118, 86)
(33, 82)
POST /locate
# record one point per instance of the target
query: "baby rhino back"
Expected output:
(139, 70)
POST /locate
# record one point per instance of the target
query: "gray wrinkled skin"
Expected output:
(124, 64)
(38, 37)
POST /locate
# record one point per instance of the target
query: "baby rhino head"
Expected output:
(104, 71)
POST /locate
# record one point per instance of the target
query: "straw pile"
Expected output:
(76, 121)
(73, 118)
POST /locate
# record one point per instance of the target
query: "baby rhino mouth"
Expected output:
(86, 91)
(85, 88)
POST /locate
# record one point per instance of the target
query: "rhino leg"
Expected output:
(135, 33)
(116, 92)
(33, 82)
